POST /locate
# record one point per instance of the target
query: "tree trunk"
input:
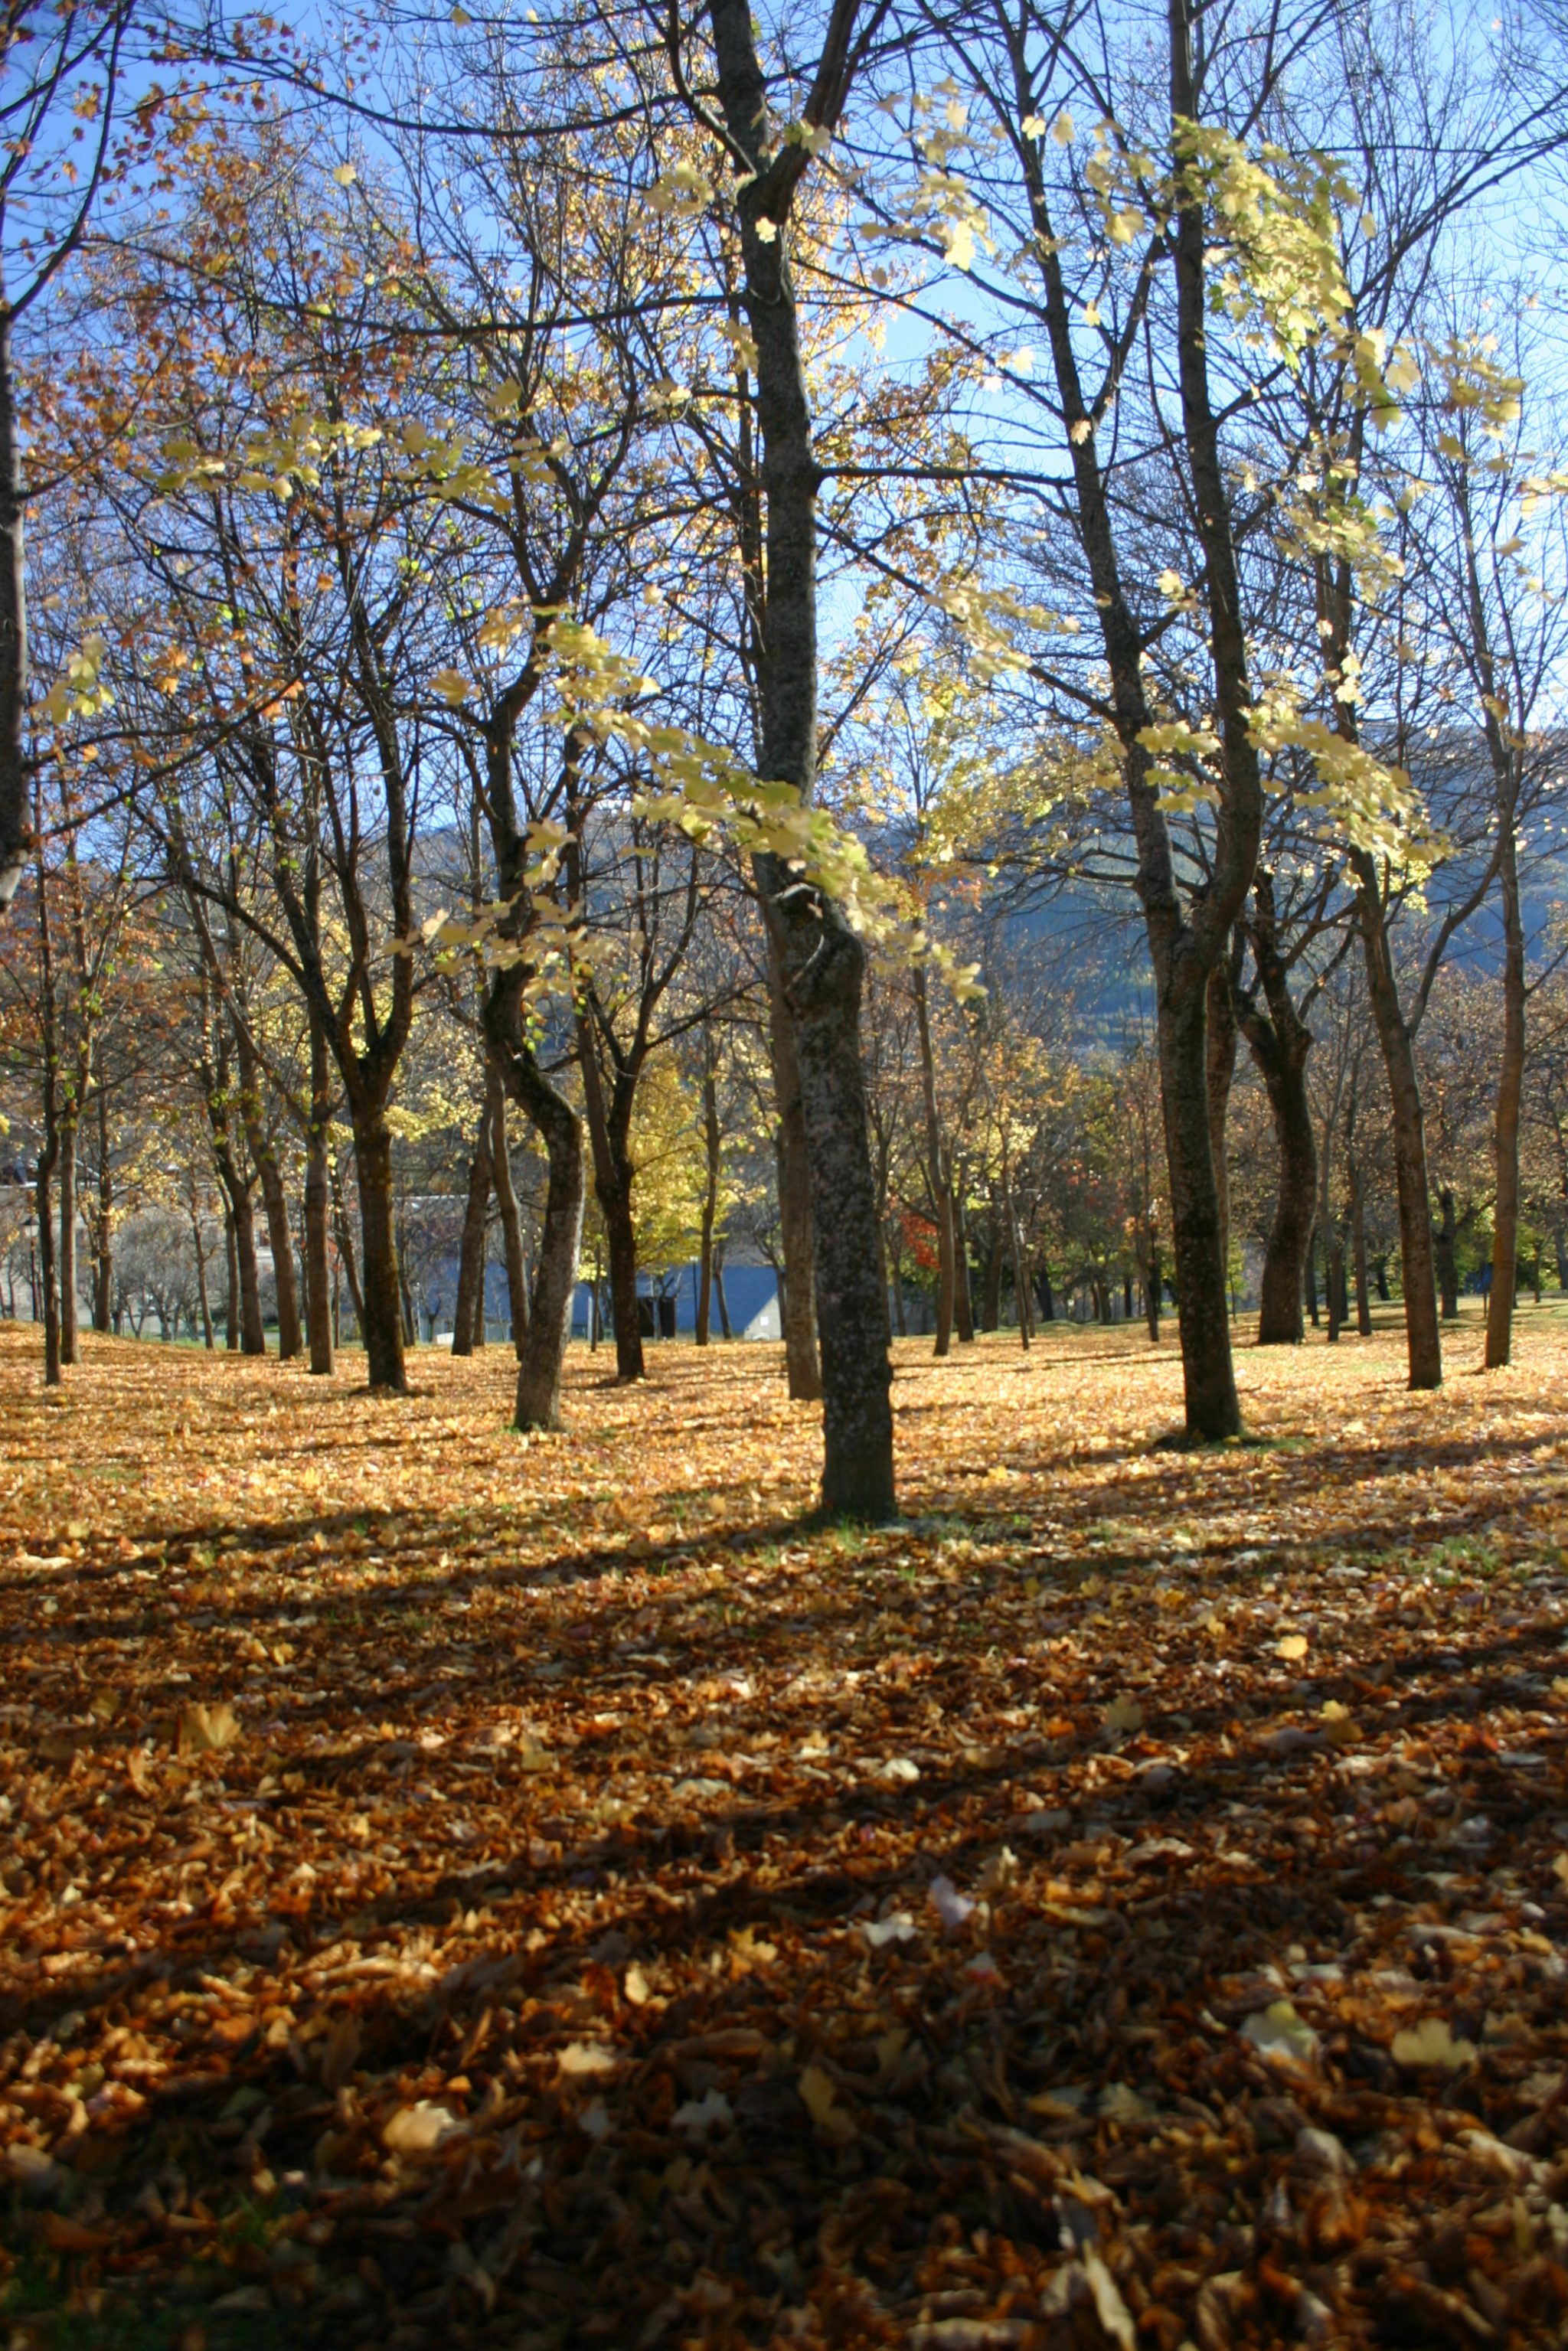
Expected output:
(710, 1204)
(1358, 1248)
(346, 1256)
(720, 1300)
(1208, 1378)
(1046, 1295)
(1333, 1281)
(203, 1299)
(48, 1272)
(1423, 1336)
(253, 1331)
(798, 1292)
(274, 1206)
(1310, 1273)
(231, 1254)
(15, 834)
(991, 1310)
(963, 1288)
(68, 1175)
(1220, 1069)
(541, 1358)
(280, 1238)
(1152, 1286)
(1443, 1248)
(1510, 1090)
(380, 1304)
(614, 1175)
(507, 1202)
(820, 961)
(938, 1178)
(895, 1271)
(318, 1210)
(103, 1251)
(471, 1262)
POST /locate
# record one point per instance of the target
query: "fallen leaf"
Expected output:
(1431, 2043)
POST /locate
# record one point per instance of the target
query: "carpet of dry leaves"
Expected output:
(468, 1891)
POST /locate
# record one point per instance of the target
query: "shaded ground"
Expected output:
(465, 1891)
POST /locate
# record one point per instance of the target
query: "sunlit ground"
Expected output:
(464, 1889)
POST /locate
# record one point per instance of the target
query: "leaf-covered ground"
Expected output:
(462, 1891)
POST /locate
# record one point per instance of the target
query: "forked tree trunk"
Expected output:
(507, 1202)
(471, 1262)
(615, 1173)
(820, 962)
(542, 1356)
(380, 1302)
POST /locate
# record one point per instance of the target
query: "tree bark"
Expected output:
(68, 1177)
(963, 1288)
(103, 1239)
(253, 1332)
(346, 1257)
(15, 832)
(711, 1141)
(507, 1202)
(991, 1310)
(318, 1210)
(820, 960)
(231, 1307)
(542, 1354)
(1184, 947)
(379, 1303)
(1358, 1247)
(1220, 1060)
(1509, 1089)
(1423, 1337)
(471, 1262)
(48, 1272)
(1443, 1241)
(274, 1198)
(797, 1296)
(615, 1173)
(938, 1177)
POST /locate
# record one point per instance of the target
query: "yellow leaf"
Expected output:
(1431, 2042)
(207, 1730)
(1124, 1715)
(1293, 1647)
(345, 175)
(817, 2093)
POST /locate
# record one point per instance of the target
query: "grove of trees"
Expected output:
(920, 644)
